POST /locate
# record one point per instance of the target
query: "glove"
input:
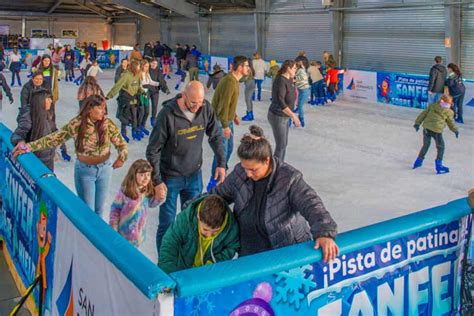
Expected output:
(417, 127)
(168, 91)
(457, 134)
(11, 100)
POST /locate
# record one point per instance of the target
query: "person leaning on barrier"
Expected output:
(205, 232)
(273, 205)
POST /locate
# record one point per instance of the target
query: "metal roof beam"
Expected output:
(138, 8)
(87, 5)
(55, 5)
(179, 6)
(9, 13)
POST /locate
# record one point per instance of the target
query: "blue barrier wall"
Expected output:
(144, 274)
(407, 265)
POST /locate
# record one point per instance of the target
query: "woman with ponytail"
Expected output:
(273, 205)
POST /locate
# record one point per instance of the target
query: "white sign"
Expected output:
(87, 283)
(469, 96)
(360, 85)
(221, 61)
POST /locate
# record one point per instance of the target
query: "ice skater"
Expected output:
(434, 120)
(129, 210)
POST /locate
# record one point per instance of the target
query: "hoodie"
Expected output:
(184, 247)
(175, 146)
(438, 75)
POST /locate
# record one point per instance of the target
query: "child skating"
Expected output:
(129, 210)
(434, 120)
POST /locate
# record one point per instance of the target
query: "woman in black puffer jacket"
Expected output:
(273, 205)
(37, 121)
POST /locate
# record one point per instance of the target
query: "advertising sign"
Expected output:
(360, 85)
(402, 89)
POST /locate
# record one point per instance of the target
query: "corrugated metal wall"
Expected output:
(393, 40)
(186, 31)
(467, 42)
(233, 35)
(296, 25)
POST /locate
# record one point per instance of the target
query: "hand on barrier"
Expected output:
(328, 247)
(20, 149)
(117, 164)
(219, 175)
(160, 192)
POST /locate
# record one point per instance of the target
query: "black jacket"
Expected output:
(148, 51)
(4, 87)
(291, 204)
(23, 133)
(27, 92)
(158, 51)
(157, 75)
(175, 146)
(180, 54)
(438, 74)
(118, 73)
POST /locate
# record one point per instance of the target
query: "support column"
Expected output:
(138, 25)
(336, 22)
(112, 34)
(165, 31)
(452, 41)
(262, 8)
(23, 26)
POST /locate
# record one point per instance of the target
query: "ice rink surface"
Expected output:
(357, 156)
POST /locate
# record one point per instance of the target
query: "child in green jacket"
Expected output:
(434, 120)
(203, 233)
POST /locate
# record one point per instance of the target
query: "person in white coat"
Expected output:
(259, 68)
(94, 69)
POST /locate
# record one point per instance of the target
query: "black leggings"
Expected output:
(155, 97)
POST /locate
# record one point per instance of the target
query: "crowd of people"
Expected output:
(263, 203)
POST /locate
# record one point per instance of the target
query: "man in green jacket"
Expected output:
(203, 233)
(224, 103)
(434, 120)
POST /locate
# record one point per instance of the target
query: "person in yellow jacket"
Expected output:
(434, 120)
(129, 87)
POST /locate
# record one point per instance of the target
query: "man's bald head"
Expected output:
(194, 94)
(194, 87)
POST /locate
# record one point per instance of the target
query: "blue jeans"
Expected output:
(258, 82)
(92, 184)
(317, 90)
(228, 147)
(434, 97)
(187, 187)
(302, 99)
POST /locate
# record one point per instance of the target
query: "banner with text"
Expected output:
(28, 227)
(402, 89)
(360, 85)
(417, 274)
(87, 283)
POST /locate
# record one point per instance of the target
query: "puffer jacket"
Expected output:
(23, 133)
(435, 118)
(438, 74)
(181, 240)
(291, 204)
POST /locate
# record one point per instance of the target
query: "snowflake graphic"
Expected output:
(202, 303)
(293, 285)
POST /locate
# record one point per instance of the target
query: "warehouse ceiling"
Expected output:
(117, 8)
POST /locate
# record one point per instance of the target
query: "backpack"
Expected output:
(456, 86)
